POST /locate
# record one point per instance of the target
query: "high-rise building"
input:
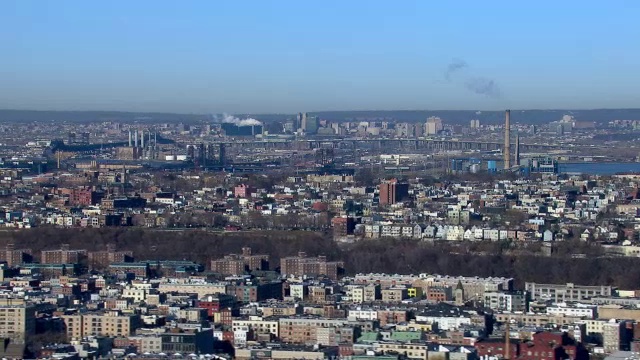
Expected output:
(392, 192)
(404, 130)
(222, 154)
(310, 124)
(17, 319)
(433, 125)
(297, 124)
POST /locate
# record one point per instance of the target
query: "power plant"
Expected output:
(507, 140)
(138, 148)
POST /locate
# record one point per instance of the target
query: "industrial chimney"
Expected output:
(507, 330)
(129, 138)
(507, 140)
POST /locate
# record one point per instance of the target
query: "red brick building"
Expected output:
(496, 347)
(392, 317)
(343, 226)
(243, 191)
(62, 256)
(15, 257)
(102, 259)
(302, 265)
(235, 264)
(214, 303)
(550, 346)
(439, 293)
(82, 197)
(392, 192)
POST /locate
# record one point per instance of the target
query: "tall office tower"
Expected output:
(303, 121)
(202, 153)
(297, 124)
(310, 124)
(433, 125)
(222, 154)
(507, 140)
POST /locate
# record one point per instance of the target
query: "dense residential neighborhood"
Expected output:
(220, 251)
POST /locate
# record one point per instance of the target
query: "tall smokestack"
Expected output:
(517, 149)
(142, 140)
(507, 340)
(507, 140)
(129, 138)
(135, 139)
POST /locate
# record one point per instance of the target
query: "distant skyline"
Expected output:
(288, 56)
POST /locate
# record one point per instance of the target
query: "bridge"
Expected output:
(411, 144)
(377, 144)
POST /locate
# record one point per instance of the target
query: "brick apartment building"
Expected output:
(15, 257)
(551, 346)
(110, 323)
(102, 259)
(84, 197)
(17, 319)
(62, 256)
(302, 265)
(243, 191)
(497, 347)
(215, 303)
(302, 330)
(343, 226)
(392, 192)
(238, 264)
(253, 292)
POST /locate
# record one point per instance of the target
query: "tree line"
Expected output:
(402, 256)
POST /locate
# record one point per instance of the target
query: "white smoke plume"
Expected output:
(230, 119)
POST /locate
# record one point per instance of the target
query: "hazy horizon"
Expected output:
(202, 57)
(316, 111)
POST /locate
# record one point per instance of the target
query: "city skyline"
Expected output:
(251, 57)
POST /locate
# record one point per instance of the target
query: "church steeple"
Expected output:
(459, 294)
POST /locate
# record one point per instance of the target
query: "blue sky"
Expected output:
(288, 56)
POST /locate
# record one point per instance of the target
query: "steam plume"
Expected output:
(477, 84)
(230, 119)
(483, 86)
(454, 66)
